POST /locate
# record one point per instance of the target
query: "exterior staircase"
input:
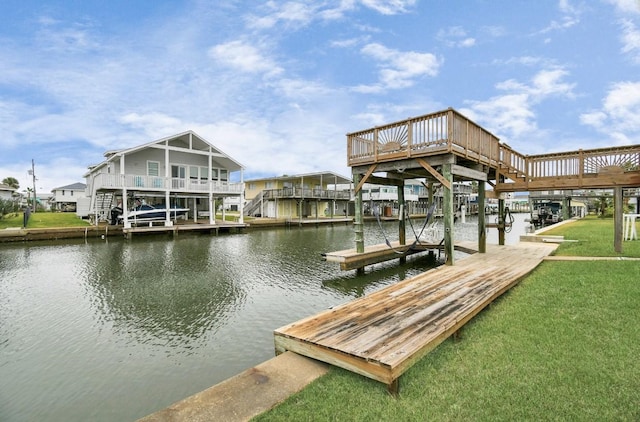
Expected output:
(103, 205)
(253, 206)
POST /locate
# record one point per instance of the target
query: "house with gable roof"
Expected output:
(182, 170)
(310, 195)
(65, 198)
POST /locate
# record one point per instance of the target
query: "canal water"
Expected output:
(107, 330)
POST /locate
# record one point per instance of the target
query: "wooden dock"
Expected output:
(383, 334)
(182, 228)
(350, 259)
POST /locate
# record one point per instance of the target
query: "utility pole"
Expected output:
(32, 173)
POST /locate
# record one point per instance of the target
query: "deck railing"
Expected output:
(450, 132)
(161, 184)
(584, 162)
(435, 133)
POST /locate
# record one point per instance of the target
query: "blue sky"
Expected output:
(278, 84)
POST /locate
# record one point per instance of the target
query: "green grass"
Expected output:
(595, 237)
(562, 345)
(41, 220)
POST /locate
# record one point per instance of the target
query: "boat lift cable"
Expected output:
(430, 212)
(376, 212)
(508, 220)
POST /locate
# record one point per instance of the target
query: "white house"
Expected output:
(297, 196)
(180, 170)
(6, 192)
(65, 198)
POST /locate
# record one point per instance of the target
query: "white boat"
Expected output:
(147, 212)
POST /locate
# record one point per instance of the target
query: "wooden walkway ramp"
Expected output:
(384, 333)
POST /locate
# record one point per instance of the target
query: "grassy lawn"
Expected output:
(595, 238)
(561, 345)
(40, 220)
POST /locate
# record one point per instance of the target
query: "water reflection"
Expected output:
(175, 291)
(355, 285)
(107, 330)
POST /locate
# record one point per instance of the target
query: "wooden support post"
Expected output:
(394, 387)
(501, 211)
(401, 222)
(501, 220)
(359, 220)
(482, 221)
(447, 209)
(566, 207)
(617, 218)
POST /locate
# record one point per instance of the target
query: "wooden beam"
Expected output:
(387, 181)
(369, 172)
(617, 219)
(468, 173)
(407, 164)
(434, 173)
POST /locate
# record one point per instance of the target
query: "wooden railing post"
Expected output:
(409, 137)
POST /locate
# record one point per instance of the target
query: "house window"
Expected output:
(251, 186)
(179, 172)
(193, 173)
(71, 193)
(224, 175)
(214, 174)
(153, 168)
(62, 192)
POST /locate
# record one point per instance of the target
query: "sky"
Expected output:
(277, 85)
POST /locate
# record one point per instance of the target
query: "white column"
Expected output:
(241, 207)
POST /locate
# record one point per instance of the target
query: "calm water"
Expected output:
(110, 330)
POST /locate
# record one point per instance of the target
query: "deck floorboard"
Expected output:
(383, 334)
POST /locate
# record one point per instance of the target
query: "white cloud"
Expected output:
(596, 119)
(455, 36)
(398, 69)
(244, 57)
(60, 36)
(570, 18)
(289, 13)
(512, 115)
(389, 7)
(626, 6)
(619, 117)
(631, 40)
(298, 14)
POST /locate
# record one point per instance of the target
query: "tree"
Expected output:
(12, 182)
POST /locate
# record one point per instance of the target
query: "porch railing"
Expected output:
(306, 193)
(162, 184)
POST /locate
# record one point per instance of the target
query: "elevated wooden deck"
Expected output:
(384, 333)
(415, 147)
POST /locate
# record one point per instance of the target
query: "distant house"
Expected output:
(181, 170)
(297, 196)
(6, 192)
(65, 198)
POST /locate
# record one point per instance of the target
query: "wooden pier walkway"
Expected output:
(384, 333)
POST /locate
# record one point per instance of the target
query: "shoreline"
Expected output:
(19, 234)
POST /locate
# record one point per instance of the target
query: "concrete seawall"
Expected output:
(101, 231)
(247, 394)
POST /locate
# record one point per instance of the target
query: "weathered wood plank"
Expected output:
(384, 333)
